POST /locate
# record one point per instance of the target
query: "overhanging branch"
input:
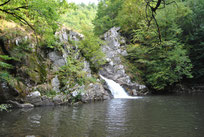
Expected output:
(5, 3)
(22, 20)
(153, 12)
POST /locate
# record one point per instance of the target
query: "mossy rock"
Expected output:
(20, 87)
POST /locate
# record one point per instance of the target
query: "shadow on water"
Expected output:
(158, 116)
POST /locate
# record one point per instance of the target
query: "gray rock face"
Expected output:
(53, 61)
(64, 34)
(95, 92)
(55, 84)
(87, 68)
(57, 59)
(114, 69)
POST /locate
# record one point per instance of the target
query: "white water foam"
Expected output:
(116, 90)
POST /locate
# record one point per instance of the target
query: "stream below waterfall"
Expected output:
(155, 116)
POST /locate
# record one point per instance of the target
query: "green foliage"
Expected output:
(4, 65)
(40, 15)
(193, 34)
(169, 20)
(160, 64)
(78, 97)
(80, 17)
(4, 107)
(20, 50)
(91, 50)
(130, 15)
(50, 93)
(71, 73)
(106, 15)
(4, 75)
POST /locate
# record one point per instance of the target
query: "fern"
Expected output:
(3, 64)
(5, 57)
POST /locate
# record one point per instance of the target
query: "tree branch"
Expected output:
(157, 6)
(18, 8)
(22, 20)
(153, 12)
(5, 3)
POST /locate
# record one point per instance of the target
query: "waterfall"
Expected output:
(116, 90)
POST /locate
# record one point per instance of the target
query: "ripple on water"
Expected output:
(148, 116)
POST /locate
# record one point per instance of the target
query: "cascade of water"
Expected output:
(116, 90)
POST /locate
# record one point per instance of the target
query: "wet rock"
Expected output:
(34, 98)
(114, 69)
(46, 101)
(18, 105)
(95, 92)
(59, 99)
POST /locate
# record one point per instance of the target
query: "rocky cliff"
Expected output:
(50, 76)
(115, 49)
(61, 74)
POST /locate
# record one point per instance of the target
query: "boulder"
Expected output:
(95, 92)
(60, 99)
(36, 99)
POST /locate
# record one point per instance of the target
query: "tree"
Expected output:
(80, 17)
(106, 15)
(159, 64)
(131, 14)
(161, 61)
(40, 15)
(193, 36)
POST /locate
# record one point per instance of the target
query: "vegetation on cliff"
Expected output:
(165, 39)
(165, 45)
(29, 32)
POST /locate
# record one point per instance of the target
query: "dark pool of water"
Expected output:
(159, 116)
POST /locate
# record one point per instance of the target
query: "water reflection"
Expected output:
(116, 117)
(148, 116)
(34, 120)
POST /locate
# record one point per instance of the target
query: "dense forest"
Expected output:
(123, 68)
(165, 42)
(164, 37)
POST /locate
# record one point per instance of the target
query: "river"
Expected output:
(155, 116)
